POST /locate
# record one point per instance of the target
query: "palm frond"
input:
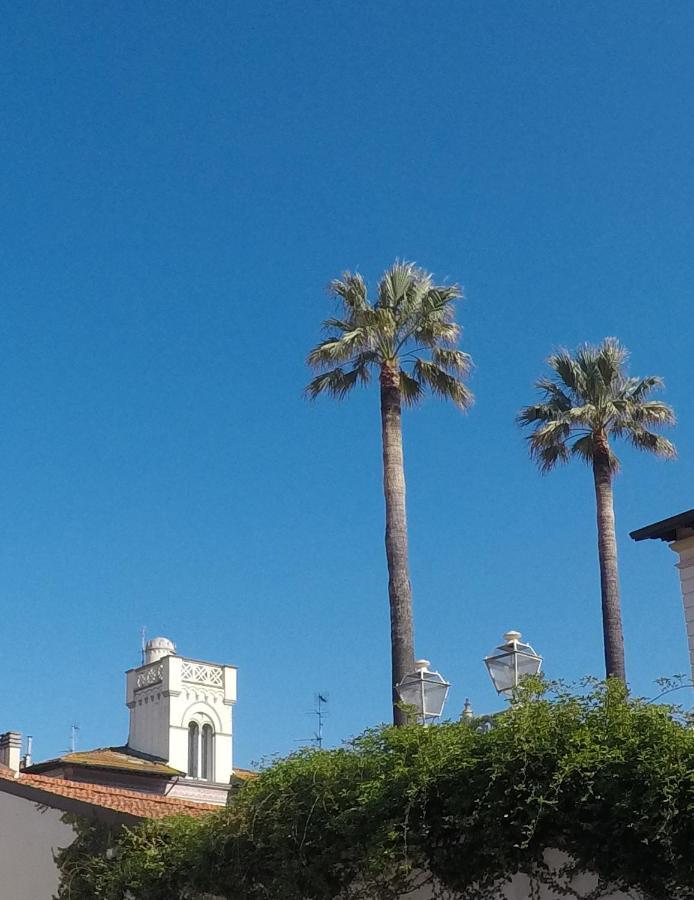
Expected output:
(442, 383)
(397, 282)
(547, 458)
(610, 359)
(584, 447)
(336, 383)
(454, 361)
(651, 412)
(338, 324)
(411, 390)
(640, 388)
(338, 349)
(643, 439)
(415, 303)
(366, 358)
(553, 392)
(586, 416)
(351, 290)
(538, 412)
(550, 434)
(548, 412)
(435, 333)
(568, 371)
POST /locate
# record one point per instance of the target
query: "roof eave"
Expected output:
(49, 765)
(666, 529)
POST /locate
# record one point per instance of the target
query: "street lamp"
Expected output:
(512, 661)
(425, 690)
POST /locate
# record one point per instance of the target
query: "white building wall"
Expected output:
(29, 835)
(520, 887)
(685, 551)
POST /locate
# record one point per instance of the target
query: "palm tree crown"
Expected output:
(411, 316)
(591, 398)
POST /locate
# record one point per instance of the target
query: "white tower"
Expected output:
(181, 712)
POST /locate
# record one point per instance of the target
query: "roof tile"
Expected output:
(109, 758)
(132, 803)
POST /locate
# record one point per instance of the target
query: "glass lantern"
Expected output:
(511, 662)
(425, 690)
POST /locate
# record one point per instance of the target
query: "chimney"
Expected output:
(10, 749)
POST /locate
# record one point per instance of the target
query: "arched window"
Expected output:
(207, 768)
(201, 749)
(193, 749)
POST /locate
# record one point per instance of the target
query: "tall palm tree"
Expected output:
(407, 335)
(589, 400)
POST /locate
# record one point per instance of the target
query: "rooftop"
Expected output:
(666, 529)
(118, 759)
(77, 796)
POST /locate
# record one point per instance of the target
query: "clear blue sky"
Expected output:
(179, 183)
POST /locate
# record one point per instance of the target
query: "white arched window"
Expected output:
(201, 749)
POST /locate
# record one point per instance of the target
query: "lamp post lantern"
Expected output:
(511, 662)
(425, 690)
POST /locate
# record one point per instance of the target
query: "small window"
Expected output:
(207, 767)
(193, 742)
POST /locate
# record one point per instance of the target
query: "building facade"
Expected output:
(678, 532)
(178, 759)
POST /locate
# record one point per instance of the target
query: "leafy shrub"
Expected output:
(607, 779)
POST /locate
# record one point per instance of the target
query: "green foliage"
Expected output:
(83, 863)
(607, 779)
(590, 397)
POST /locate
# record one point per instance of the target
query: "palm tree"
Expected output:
(589, 400)
(411, 316)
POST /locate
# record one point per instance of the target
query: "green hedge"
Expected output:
(608, 779)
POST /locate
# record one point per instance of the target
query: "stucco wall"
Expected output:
(685, 550)
(519, 887)
(28, 836)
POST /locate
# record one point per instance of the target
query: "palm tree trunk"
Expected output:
(613, 636)
(399, 587)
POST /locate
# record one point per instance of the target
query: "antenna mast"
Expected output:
(143, 641)
(319, 702)
(320, 713)
(74, 728)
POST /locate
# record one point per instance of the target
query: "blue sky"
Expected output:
(179, 183)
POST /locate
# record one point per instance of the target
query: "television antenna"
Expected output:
(74, 728)
(320, 701)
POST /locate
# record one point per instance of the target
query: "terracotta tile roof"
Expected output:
(47, 790)
(244, 774)
(118, 758)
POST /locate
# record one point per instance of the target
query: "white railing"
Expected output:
(202, 673)
(151, 675)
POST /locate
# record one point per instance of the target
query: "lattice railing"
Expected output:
(202, 673)
(153, 675)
